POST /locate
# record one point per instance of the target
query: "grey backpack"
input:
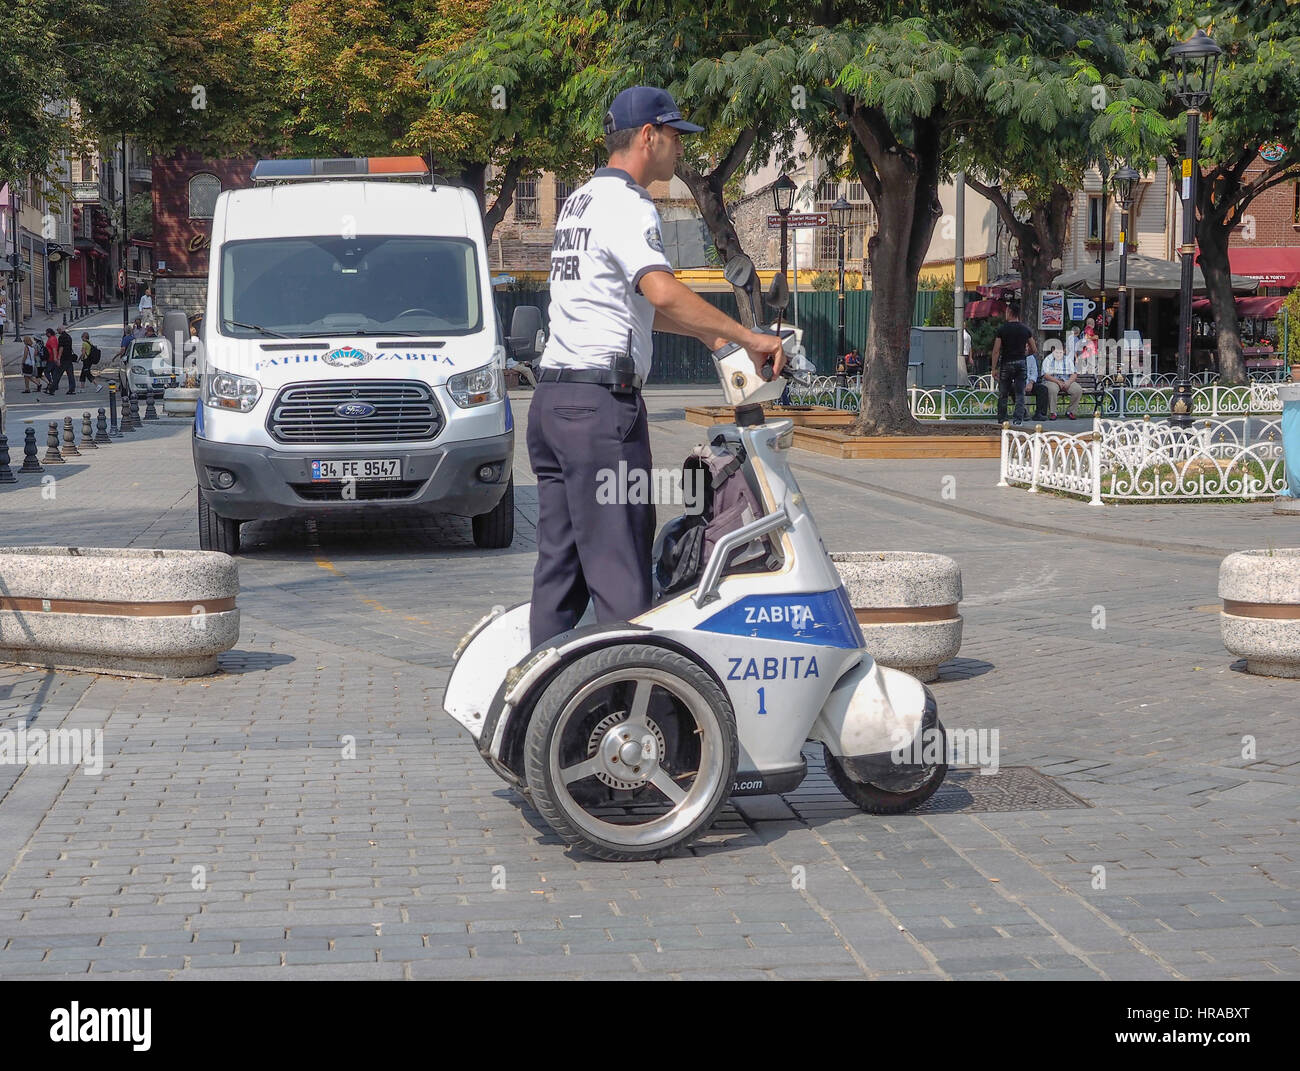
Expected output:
(719, 500)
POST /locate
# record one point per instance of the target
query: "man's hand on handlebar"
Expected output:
(765, 350)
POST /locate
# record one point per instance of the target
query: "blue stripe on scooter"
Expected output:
(825, 618)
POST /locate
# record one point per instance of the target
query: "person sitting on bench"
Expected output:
(1060, 374)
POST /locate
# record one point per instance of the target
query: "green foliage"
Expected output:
(1292, 339)
(982, 332)
(941, 311)
(826, 280)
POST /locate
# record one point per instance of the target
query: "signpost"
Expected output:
(798, 220)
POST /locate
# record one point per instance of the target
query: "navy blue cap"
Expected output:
(639, 105)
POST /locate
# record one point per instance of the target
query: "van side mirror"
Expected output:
(526, 337)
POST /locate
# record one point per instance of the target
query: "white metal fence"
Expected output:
(1149, 461)
(980, 401)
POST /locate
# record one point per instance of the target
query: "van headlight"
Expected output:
(477, 387)
(225, 390)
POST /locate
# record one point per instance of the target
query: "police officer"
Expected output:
(611, 285)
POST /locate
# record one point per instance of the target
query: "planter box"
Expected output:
(180, 401)
(1260, 621)
(906, 604)
(135, 613)
(842, 445)
(708, 415)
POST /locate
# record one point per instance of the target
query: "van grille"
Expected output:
(332, 490)
(404, 412)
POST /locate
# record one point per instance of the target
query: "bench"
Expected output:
(1094, 386)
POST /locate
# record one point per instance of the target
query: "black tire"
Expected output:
(216, 532)
(496, 528)
(876, 800)
(670, 704)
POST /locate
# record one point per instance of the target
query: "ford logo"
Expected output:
(354, 409)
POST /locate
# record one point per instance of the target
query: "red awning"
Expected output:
(1259, 308)
(1271, 265)
(980, 310)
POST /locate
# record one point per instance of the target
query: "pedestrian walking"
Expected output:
(146, 306)
(610, 283)
(90, 356)
(50, 368)
(67, 362)
(32, 360)
(4, 319)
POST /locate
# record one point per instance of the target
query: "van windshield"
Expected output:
(365, 285)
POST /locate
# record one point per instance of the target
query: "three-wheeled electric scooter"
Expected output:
(629, 737)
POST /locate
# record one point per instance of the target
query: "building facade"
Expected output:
(185, 190)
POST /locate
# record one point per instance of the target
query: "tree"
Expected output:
(513, 93)
(1256, 101)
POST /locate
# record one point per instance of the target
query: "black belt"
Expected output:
(603, 377)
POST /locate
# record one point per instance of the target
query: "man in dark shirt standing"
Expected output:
(67, 363)
(1011, 344)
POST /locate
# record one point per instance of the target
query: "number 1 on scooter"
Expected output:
(762, 702)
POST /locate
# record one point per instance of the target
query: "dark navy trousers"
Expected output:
(593, 538)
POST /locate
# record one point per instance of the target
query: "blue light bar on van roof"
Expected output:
(346, 168)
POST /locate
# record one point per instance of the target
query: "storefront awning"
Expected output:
(984, 308)
(1258, 308)
(1146, 275)
(1271, 265)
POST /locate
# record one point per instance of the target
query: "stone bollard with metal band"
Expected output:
(906, 603)
(1260, 621)
(135, 613)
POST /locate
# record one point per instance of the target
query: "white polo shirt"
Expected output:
(607, 238)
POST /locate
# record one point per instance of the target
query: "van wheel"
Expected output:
(496, 528)
(216, 532)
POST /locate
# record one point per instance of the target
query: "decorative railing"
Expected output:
(1151, 461)
(980, 401)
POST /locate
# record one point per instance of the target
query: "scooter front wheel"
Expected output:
(875, 799)
(630, 752)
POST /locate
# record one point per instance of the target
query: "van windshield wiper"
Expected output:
(253, 327)
(363, 331)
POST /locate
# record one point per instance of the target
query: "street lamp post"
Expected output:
(783, 191)
(1125, 185)
(840, 211)
(1195, 62)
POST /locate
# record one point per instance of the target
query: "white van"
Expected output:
(352, 355)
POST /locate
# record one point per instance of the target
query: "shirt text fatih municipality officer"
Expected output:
(606, 238)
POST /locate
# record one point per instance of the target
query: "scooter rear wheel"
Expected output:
(876, 800)
(631, 752)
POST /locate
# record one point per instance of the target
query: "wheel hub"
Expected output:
(629, 752)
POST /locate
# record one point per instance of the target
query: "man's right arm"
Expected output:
(997, 352)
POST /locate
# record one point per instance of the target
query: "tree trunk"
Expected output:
(509, 180)
(709, 198)
(1213, 237)
(904, 186)
(1041, 247)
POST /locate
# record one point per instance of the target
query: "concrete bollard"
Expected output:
(150, 413)
(52, 455)
(6, 473)
(31, 461)
(1260, 620)
(102, 436)
(906, 604)
(87, 433)
(69, 439)
(138, 613)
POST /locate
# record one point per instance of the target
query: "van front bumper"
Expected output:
(435, 478)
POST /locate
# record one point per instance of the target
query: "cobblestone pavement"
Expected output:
(231, 836)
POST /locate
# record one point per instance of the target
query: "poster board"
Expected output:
(1051, 310)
